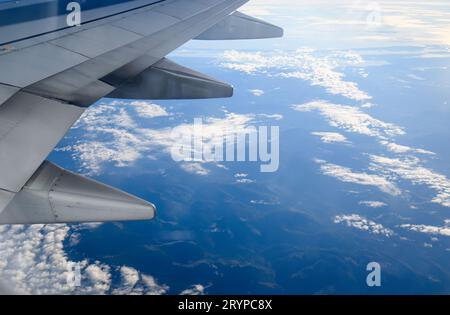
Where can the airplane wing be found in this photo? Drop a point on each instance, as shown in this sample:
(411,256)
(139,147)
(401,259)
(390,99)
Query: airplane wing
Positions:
(51,72)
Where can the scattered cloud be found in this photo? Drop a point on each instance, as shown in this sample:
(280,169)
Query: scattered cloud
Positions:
(410,168)
(257,92)
(245,181)
(351,119)
(428,229)
(271,116)
(130,278)
(196,289)
(415,77)
(330,137)
(149,110)
(363,224)
(195,168)
(264,202)
(135,283)
(397,148)
(346,175)
(373,204)
(110,134)
(304,64)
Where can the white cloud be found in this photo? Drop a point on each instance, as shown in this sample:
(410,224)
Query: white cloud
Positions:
(364,22)
(257,92)
(196,289)
(302,64)
(255,9)
(195,168)
(410,169)
(148,110)
(33,261)
(351,119)
(397,148)
(363,224)
(240,175)
(373,204)
(367,105)
(149,286)
(428,229)
(135,283)
(346,175)
(271,116)
(245,181)
(330,137)
(415,77)
(99,277)
(130,278)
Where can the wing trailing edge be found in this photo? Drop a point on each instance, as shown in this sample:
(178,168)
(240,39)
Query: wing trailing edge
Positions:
(241,26)
(55,195)
(168,80)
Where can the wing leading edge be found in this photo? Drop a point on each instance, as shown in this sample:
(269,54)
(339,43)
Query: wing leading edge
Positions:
(37,110)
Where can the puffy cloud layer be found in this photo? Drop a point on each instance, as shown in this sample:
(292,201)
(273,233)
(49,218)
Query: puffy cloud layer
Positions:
(410,168)
(351,119)
(363,224)
(33,261)
(346,175)
(302,64)
(136,283)
(330,137)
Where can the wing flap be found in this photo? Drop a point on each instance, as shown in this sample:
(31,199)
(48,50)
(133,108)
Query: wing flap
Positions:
(30,127)
(6,92)
(55,195)
(168,80)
